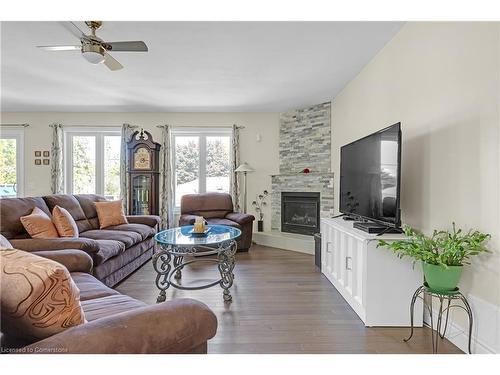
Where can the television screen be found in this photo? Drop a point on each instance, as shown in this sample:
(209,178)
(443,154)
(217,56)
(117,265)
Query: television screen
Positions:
(370,171)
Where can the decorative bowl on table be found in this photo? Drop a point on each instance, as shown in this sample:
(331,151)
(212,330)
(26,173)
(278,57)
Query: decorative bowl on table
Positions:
(199,234)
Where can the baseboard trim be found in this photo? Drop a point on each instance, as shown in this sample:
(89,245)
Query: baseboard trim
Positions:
(287,241)
(485,331)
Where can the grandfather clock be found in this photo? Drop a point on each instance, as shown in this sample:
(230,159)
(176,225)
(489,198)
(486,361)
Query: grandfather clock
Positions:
(144,172)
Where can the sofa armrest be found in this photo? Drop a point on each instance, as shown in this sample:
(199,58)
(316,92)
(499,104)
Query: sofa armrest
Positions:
(240,218)
(177,326)
(187,219)
(38,244)
(149,220)
(74,260)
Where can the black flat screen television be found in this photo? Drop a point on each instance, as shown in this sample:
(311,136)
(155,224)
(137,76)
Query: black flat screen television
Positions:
(370,177)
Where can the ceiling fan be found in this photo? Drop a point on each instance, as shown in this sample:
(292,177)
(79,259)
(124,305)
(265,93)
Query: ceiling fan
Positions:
(95,50)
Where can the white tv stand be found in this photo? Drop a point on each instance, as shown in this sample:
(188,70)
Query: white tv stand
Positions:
(374,281)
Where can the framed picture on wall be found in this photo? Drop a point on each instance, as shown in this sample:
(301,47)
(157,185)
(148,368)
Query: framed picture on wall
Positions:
(38,161)
(38,154)
(46,161)
(46,154)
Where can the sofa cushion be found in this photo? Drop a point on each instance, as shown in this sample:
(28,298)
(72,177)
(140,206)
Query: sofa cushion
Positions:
(71,204)
(128,238)
(87,203)
(230,223)
(117,267)
(39,298)
(108,249)
(12,209)
(144,230)
(64,223)
(110,305)
(110,213)
(90,287)
(39,225)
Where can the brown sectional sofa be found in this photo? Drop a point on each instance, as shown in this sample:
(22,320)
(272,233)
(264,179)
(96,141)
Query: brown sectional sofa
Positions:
(117,323)
(116,251)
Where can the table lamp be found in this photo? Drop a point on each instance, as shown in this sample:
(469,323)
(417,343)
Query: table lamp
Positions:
(244,168)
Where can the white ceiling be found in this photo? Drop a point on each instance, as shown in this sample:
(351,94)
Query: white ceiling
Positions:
(190,66)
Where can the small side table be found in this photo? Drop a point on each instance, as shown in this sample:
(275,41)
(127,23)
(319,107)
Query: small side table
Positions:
(449,297)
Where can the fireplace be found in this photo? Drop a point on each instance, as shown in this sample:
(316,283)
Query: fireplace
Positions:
(300,212)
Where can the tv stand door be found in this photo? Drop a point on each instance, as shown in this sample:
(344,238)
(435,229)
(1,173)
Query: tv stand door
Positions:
(344,261)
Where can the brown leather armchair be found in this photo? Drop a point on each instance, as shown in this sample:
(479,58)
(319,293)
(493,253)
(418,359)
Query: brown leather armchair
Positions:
(217,208)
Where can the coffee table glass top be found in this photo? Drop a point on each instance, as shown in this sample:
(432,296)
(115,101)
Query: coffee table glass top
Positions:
(181,237)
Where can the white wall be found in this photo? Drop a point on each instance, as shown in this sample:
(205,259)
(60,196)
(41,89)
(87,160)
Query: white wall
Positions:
(263,155)
(441,80)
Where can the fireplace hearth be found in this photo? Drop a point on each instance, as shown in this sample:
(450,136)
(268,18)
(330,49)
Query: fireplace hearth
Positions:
(300,212)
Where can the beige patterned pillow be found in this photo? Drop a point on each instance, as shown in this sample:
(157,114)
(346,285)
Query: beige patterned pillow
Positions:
(38,296)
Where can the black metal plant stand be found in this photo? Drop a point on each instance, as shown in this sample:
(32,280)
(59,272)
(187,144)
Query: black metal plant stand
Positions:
(447,297)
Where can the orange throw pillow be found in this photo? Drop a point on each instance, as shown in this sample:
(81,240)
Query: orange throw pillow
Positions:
(64,222)
(110,213)
(39,225)
(38,296)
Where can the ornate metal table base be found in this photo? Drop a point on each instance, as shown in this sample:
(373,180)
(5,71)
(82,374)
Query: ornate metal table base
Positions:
(449,297)
(166,268)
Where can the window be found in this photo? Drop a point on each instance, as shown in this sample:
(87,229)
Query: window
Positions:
(201,161)
(92,158)
(11,162)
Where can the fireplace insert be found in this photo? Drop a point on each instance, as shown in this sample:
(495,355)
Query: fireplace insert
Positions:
(300,212)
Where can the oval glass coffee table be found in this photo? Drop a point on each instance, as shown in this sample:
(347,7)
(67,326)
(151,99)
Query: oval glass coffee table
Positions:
(176,243)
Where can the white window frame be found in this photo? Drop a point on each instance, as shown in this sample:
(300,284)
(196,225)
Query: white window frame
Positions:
(202,133)
(99,133)
(17,133)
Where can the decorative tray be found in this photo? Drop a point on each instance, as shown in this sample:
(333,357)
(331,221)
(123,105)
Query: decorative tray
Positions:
(199,234)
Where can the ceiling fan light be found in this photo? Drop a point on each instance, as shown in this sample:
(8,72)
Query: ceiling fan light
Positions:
(93,57)
(93,53)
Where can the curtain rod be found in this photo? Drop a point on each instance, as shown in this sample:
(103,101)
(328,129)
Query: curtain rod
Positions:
(23,125)
(198,127)
(86,126)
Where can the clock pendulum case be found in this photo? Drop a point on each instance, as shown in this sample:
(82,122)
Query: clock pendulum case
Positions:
(143,160)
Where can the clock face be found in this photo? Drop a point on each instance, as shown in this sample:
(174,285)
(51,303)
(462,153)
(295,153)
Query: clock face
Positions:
(142,158)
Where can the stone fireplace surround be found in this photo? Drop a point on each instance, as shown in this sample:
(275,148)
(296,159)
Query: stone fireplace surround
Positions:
(310,182)
(304,142)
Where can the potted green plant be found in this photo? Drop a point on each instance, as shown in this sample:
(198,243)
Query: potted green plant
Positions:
(259,203)
(443,255)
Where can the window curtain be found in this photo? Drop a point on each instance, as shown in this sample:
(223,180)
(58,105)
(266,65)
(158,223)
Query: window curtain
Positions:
(56,155)
(126,135)
(166,178)
(235,162)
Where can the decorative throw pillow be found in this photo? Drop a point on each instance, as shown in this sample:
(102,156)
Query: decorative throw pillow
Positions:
(38,296)
(4,243)
(64,222)
(39,225)
(110,213)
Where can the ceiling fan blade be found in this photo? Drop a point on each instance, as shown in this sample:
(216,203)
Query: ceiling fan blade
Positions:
(60,48)
(73,29)
(130,46)
(111,62)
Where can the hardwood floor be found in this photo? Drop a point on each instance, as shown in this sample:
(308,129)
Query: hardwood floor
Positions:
(281,304)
